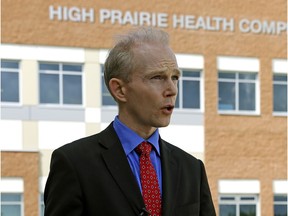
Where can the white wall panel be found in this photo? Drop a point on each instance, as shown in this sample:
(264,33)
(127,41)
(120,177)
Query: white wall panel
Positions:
(228,63)
(55,134)
(235,186)
(280,187)
(11,135)
(103,54)
(11,185)
(42,53)
(188,138)
(280,65)
(190,61)
(93,115)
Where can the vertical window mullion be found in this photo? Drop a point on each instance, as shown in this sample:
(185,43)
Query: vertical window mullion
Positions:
(61,100)
(22,205)
(181,94)
(237,92)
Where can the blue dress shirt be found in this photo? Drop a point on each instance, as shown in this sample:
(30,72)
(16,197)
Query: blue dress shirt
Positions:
(130,140)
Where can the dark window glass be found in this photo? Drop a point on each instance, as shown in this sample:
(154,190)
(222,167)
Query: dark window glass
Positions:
(227,198)
(247,96)
(280,210)
(49,88)
(107,99)
(71,68)
(10,197)
(9,210)
(9,81)
(9,64)
(227,210)
(72,89)
(227,75)
(280,93)
(177,105)
(247,210)
(60,83)
(280,205)
(226,92)
(191,94)
(9,87)
(42,206)
(281,198)
(247,76)
(54,67)
(186,73)
(11,204)
(280,77)
(237,91)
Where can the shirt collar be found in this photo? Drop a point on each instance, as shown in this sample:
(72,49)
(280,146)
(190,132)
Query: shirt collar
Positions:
(130,140)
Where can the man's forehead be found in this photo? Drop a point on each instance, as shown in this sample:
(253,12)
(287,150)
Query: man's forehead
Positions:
(163,70)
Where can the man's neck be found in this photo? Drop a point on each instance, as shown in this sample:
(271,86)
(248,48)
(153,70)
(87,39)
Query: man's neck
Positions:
(142,131)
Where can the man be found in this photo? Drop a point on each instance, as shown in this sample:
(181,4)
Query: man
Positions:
(107,174)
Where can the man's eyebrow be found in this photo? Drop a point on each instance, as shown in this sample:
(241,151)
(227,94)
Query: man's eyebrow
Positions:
(177,71)
(161,71)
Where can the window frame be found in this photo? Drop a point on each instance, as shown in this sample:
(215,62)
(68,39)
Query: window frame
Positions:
(12,70)
(279,202)
(41,204)
(236,81)
(60,74)
(279,113)
(201,89)
(108,95)
(21,202)
(238,202)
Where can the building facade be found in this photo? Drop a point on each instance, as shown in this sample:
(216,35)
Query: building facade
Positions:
(231,110)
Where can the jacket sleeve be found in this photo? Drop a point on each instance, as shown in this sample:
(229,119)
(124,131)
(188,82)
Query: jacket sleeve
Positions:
(62,195)
(206,205)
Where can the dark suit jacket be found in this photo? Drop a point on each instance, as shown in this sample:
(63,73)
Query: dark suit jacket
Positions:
(92,177)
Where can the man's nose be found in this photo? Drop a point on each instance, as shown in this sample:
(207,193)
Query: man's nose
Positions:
(171,88)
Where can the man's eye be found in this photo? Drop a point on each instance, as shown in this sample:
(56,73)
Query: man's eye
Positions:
(175,78)
(157,77)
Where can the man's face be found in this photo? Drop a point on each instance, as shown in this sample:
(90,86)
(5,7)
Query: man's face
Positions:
(152,89)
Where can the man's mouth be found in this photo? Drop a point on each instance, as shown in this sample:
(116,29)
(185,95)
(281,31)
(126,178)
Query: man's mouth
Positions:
(168,108)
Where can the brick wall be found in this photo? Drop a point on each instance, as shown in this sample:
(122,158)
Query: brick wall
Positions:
(24,165)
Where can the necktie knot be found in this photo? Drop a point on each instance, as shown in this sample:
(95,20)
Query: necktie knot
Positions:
(144,148)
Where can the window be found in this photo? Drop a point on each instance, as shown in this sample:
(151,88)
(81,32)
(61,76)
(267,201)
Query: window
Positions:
(238,205)
(280,92)
(60,83)
(11,204)
(42,206)
(237,91)
(280,205)
(107,99)
(189,90)
(9,81)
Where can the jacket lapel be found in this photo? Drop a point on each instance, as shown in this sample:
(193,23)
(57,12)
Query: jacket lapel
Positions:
(169,179)
(118,165)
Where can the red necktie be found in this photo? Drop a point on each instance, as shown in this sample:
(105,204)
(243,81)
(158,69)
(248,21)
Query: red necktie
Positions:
(149,181)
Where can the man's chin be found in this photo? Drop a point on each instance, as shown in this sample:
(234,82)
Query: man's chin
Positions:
(164,124)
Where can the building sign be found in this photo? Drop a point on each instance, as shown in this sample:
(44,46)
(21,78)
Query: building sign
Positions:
(164,20)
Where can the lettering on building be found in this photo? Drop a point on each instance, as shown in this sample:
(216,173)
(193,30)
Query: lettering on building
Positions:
(73,14)
(163,20)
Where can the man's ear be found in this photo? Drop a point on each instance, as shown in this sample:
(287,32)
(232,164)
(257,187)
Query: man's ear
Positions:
(118,89)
